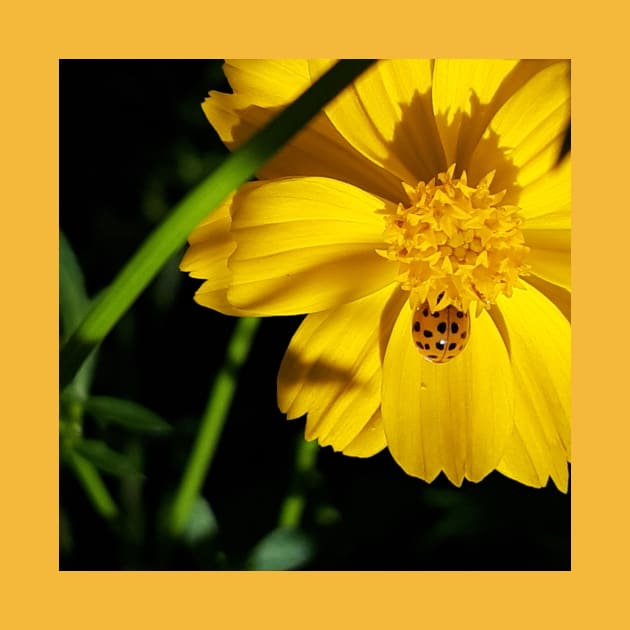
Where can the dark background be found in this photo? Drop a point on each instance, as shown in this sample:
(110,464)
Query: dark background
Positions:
(133,141)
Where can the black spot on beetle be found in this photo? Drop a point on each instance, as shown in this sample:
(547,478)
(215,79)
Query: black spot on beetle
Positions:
(452,346)
(416,326)
(454,327)
(463,335)
(419,344)
(427,333)
(427,346)
(425,312)
(440,344)
(460,314)
(442,327)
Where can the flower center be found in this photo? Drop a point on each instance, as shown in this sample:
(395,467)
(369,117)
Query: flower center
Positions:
(455,244)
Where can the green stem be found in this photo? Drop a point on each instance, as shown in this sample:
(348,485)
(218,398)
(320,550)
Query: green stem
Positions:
(169,236)
(294,503)
(212,423)
(94,486)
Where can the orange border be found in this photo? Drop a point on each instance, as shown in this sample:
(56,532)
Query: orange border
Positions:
(35,594)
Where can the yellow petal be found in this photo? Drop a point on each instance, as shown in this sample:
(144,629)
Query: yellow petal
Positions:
(210,239)
(532,124)
(550,255)
(462,90)
(560,296)
(453,417)
(546,206)
(211,244)
(386,115)
(272,82)
(306,245)
(546,203)
(261,90)
(518,464)
(235,117)
(332,372)
(540,348)
(370,440)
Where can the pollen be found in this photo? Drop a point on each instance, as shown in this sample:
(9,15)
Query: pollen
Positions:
(456,244)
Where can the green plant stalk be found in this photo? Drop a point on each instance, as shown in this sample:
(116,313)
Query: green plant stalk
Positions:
(93,485)
(171,234)
(212,423)
(294,503)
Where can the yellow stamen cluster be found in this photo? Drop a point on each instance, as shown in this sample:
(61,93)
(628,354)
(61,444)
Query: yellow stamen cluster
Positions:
(455,244)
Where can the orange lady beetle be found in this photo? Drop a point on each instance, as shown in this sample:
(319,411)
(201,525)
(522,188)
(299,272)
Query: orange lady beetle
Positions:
(442,335)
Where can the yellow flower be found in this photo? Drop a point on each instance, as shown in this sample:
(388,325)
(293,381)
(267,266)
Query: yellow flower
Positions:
(427,187)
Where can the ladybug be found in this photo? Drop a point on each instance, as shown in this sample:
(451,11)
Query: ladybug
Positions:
(442,335)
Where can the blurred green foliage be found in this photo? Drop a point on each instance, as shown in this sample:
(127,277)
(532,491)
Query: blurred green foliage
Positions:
(133,142)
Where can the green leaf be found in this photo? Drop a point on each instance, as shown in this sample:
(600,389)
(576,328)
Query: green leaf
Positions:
(73,300)
(73,305)
(282,549)
(106,459)
(126,413)
(202,523)
(94,486)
